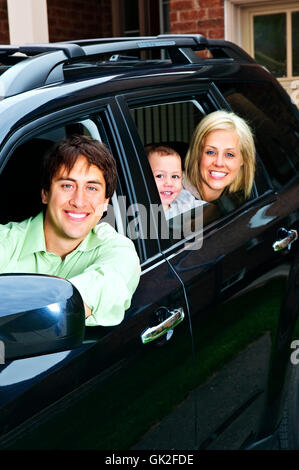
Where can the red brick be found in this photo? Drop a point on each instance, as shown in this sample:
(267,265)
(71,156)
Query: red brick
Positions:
(216,33)
(210,3)
(187,27)
(193,15)
(173,16)
(214,13)
(182,5)
(88,19)
(203,31)
(211,24)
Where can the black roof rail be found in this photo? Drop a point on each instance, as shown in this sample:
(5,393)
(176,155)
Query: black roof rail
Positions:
(220,47)
(71,50)
(37,68)
(32,73)
(45,61)
(42,64)
(170,43)
(199,39)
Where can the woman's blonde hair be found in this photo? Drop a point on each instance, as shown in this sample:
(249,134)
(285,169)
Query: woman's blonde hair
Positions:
(229,121)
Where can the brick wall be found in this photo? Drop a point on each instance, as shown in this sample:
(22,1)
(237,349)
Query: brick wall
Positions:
(4,31)
(197,16)
(78,19)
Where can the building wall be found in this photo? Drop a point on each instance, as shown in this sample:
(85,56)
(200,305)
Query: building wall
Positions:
(4,31)
(197,16)
(77,19)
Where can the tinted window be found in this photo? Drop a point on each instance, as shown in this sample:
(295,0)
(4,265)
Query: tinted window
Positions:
(20,191)
(274,123)
(173,124)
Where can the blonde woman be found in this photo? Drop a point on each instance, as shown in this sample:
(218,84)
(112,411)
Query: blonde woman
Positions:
(221,157)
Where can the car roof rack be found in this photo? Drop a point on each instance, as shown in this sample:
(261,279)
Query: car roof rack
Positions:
(29,66)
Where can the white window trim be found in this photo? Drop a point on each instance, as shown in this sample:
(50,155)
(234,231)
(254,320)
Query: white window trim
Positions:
(233,17)
(234,13)
(247,18)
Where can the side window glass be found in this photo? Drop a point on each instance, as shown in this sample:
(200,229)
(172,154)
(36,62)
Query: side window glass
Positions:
(172,124)
(20,190)
(274,124)
(168,127)
(168,123)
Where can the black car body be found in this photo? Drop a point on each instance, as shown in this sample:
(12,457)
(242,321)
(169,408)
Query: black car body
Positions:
(229,357)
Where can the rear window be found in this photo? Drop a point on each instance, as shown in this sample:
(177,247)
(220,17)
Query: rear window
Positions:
(275,125)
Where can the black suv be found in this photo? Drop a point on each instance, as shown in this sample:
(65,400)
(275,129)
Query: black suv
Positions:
(206,357)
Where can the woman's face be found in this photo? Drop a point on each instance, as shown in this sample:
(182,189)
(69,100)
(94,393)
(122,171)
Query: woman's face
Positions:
(219,163)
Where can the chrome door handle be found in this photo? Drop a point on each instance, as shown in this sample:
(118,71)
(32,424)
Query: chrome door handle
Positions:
(286,241)
(152,333)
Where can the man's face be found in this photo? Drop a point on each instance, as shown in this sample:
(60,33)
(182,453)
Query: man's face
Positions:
(75,202)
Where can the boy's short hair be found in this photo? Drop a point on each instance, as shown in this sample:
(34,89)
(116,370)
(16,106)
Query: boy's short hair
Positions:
(65,153)
(162,150)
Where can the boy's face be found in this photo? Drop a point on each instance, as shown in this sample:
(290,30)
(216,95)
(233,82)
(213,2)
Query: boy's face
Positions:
(167,171)
(75,202)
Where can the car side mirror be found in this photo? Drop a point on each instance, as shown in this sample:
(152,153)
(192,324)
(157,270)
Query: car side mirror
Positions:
(39,314)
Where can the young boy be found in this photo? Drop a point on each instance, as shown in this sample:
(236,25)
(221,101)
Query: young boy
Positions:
(166,166)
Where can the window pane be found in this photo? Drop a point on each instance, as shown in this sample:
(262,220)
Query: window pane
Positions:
(295,40)
(270,42)
(166,20)
(131,18)
(275,126)
(167,122)
(171,124)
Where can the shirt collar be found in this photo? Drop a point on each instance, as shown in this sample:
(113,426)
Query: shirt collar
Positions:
(35,239)
(91,241)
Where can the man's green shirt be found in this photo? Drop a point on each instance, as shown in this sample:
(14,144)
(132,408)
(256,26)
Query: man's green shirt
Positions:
(104,268)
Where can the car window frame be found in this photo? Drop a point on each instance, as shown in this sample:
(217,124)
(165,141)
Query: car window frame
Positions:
(189,93)
(272,85)
(62,117)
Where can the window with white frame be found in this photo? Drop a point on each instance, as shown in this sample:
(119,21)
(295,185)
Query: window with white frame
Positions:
(270,33)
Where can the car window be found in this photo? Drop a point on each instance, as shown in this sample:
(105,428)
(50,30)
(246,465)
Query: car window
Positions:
(20,177)
(172,123)
(20,190)
(274,124)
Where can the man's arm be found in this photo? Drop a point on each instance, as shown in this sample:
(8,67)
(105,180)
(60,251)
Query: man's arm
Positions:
(108,284)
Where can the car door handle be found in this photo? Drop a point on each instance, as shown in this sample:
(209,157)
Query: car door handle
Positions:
(152,333)
(288,237)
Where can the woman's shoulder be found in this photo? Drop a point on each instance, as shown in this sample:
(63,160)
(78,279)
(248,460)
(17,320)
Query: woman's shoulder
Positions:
(188,186)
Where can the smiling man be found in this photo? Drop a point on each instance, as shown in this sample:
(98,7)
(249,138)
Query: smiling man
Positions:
(65,240)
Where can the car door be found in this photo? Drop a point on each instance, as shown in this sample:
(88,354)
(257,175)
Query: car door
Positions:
(107,393)
(242,330)
(274,119)
(234,280)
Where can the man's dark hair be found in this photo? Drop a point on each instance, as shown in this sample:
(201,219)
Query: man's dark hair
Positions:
(65,153)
